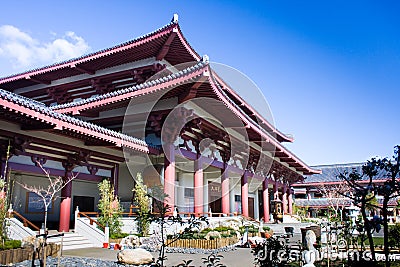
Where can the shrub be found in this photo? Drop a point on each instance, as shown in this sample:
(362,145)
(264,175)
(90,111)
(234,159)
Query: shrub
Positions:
(110,209)
(394,235)
(266,228)
(10,244)
(143,201)
(118,235)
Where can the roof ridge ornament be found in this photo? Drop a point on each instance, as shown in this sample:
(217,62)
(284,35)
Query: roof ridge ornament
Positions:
(175,18)
(205,59)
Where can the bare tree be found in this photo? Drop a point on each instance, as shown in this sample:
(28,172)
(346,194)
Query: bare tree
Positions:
(48,194)
(334,194)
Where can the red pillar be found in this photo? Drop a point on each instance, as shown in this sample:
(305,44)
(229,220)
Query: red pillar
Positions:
(198,187)
(65,205)
(290,201)
(225,190)
(266,200)
(284,199)
(169,175)
(245,195)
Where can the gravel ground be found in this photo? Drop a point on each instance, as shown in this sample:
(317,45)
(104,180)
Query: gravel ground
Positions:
(107,258)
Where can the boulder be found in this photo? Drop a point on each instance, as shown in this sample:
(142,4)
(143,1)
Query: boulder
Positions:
(131,241)
(135,256)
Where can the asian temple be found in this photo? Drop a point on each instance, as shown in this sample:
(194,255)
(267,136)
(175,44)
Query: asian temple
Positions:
(320,192)
(132,108)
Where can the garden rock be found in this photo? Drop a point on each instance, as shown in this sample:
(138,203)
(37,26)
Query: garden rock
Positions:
(137,256)
(213,235)
(131,241)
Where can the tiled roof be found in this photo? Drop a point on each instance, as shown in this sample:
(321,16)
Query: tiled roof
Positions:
(37,109)
(138,87)
(330,173)
(321,202)
(84,58)
(325,202)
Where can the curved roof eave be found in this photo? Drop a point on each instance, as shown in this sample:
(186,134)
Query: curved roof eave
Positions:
(260,117)
(19,104)
(244,117)
(167,29)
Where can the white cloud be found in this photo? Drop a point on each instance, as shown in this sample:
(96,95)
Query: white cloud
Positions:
(24,52)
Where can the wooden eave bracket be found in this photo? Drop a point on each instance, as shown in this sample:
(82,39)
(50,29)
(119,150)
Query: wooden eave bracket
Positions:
(165,48)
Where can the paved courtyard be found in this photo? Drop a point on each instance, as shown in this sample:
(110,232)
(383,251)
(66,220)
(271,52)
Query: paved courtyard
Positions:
(240,257)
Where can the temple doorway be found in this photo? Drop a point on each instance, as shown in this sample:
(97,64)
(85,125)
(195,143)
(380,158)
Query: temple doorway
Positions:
(214,197)
(251,207)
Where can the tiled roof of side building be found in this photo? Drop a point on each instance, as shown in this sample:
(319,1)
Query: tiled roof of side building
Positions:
(325,202)
(330,173)
(38,108)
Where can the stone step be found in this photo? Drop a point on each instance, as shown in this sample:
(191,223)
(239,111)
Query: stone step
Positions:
(72,241)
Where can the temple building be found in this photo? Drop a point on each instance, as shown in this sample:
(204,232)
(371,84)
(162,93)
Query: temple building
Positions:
(319,194)
(151,105)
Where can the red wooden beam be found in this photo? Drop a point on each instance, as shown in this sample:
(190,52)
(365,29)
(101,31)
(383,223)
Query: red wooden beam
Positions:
(83,70)
(191,93)
(37,80)
(53,172)
(165,48)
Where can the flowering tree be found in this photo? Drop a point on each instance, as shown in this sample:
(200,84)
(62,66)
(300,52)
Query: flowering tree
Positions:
(110,209)
(334,195)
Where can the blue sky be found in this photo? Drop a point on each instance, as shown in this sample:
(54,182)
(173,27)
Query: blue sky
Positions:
(330,71)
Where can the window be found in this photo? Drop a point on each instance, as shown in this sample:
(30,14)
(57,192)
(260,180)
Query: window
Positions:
(189,192)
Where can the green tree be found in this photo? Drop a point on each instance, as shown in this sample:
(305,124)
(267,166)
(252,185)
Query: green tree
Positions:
(143,201)
(110,209)
(373,203)
(364,195)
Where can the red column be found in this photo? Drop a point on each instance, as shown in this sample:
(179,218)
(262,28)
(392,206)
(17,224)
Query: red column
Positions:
(225,191)
(290,201)
(169,175)
(245,195)
(266,200)
(65,205)
(198,186)
(284,199)
(114,176)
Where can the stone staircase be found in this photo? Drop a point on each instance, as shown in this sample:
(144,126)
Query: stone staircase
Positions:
(72,240)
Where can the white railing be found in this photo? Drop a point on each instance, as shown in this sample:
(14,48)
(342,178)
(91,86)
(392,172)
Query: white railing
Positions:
(96,236)
(16,230)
